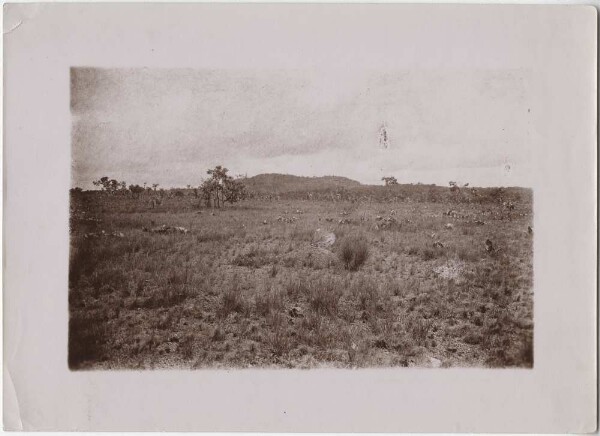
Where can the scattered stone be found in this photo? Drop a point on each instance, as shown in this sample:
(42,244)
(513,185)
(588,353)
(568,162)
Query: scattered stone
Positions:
(449,226)
(438,244)
(323,239)
(435,363)
(103,234)
(344,221)
(451,349)
(265,222)
(90,220)
(378,218)
(386,223)
(453,214)
(530,230)
(450,270)
(296,312)
(166,229)
(478,222)
(287,220)
(508,205)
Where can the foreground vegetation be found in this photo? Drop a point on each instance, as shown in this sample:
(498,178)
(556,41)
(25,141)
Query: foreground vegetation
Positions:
(394,280)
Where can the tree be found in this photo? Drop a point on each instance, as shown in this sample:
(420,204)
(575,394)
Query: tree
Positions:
(234,190)
(136,190)
(109,185)
(389,181)
(221,188)
(102,182)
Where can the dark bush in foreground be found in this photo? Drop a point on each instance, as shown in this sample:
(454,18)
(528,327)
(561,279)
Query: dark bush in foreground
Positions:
(87,339)
(353,252)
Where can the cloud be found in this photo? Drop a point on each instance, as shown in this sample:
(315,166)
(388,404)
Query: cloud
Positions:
(168,125)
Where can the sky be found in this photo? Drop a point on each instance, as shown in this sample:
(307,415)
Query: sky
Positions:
(168,126)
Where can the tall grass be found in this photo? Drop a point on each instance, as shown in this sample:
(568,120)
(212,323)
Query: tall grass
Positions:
(353,252)
(324,296)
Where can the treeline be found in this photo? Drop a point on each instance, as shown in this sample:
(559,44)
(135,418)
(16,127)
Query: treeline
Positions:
(220,188)
(403,193)
(215,191)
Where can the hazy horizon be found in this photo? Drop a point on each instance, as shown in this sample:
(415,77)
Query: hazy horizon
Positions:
(168,126)
(197,185)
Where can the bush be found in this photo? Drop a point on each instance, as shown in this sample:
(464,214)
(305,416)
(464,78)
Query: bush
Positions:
(353,252)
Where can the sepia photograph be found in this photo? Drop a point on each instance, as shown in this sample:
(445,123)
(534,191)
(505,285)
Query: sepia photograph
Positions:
(300,219)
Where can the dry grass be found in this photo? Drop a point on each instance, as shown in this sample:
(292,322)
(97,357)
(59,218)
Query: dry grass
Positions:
(353,252)
(235,292)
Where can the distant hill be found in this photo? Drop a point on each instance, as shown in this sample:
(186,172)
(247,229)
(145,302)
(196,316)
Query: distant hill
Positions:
(281,183)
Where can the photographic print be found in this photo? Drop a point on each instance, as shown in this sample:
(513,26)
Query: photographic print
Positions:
(325,218)
(300,218)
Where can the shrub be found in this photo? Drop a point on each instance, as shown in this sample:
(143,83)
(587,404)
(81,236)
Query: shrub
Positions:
(353,252)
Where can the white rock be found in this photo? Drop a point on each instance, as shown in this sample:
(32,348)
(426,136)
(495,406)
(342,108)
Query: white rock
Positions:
(435,363)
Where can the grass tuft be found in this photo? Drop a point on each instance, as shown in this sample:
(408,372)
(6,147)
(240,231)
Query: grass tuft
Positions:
(353,252)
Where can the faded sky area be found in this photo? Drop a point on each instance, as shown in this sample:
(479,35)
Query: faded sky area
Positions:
(168,126)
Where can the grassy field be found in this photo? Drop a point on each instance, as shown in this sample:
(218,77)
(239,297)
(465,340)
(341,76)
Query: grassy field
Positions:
(298,283)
